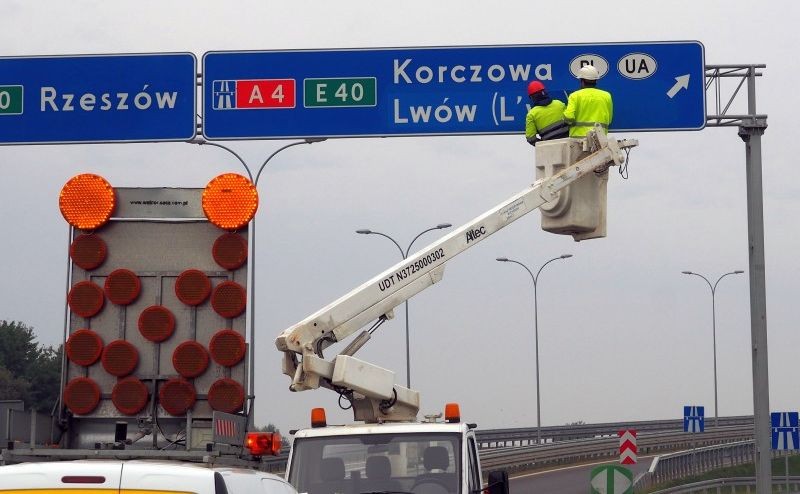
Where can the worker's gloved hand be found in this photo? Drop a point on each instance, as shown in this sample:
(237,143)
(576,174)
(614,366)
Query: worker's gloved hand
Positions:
(533,140)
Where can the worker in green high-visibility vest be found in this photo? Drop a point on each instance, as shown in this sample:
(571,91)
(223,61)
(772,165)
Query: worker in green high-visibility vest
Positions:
(588,105)
(545,119)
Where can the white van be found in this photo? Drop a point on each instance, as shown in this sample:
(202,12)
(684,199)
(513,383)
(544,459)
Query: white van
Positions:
(136,477)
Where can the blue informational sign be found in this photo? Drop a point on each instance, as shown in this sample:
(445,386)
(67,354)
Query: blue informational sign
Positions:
(785,430)
(444,90)
(694,419)
(98,98)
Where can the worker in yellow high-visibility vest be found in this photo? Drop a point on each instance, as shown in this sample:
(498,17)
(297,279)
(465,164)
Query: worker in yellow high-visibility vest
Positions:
(545,119)
(588,105)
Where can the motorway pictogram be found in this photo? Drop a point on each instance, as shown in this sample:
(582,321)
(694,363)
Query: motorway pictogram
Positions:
(694,419)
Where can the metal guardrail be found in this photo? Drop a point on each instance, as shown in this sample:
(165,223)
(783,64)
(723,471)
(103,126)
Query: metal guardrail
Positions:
(563,452)
(697,461)
(500,438)
(732,485)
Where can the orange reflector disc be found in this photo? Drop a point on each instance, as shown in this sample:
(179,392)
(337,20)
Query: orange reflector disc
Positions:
(130,395)
(120,358)
(85,299)
(156,323)
(227,347)
(88,251)
(190,359)
(230,201)
(192,287)
(229,299)
(177,396)
(230,251)
(226,395)
(87,201)
(84,347)
(82,395)
(122,286)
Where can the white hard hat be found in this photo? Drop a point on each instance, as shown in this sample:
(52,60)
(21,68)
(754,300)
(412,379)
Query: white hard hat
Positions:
(589,73)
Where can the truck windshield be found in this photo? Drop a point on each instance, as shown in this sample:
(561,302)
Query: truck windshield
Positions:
(424,463)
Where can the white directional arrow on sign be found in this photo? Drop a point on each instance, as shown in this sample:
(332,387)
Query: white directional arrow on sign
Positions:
(681,82)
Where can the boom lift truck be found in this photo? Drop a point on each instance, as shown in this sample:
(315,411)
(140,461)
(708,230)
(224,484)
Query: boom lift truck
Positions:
(391,451)
(153,383)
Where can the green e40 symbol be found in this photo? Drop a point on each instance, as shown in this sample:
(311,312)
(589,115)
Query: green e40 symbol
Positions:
(337,92)
(10,100)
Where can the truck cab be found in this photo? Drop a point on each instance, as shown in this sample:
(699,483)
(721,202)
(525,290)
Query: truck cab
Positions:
(398,457)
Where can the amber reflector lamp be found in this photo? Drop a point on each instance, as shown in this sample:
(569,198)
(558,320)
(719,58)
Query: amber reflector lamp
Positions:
(82,395)
(177,396)
(122,286)
(130,395)
(226,395)
(452,413)
(227,347)
(192,287)
(318,418)
(88,251)
(84,347)
(190,359)
(156,323)
(230,201)
(85,299)
(229,299)
(87,201)
(230,251)
(120,358)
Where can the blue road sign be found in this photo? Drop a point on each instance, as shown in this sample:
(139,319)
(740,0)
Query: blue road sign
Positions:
(98,98)
(443,90)
(694,419)
(785,430)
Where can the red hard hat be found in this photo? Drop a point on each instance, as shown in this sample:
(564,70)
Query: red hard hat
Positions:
(535,87)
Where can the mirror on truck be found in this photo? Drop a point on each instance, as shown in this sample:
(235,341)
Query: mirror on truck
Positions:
(498,482)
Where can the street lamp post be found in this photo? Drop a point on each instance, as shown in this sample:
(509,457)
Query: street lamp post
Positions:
(252,247)
(404,253)
(714,331)
(535,279)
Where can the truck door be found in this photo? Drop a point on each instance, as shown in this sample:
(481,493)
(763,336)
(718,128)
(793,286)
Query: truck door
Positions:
(473,467)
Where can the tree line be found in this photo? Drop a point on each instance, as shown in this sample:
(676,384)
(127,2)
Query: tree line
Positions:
(29,371)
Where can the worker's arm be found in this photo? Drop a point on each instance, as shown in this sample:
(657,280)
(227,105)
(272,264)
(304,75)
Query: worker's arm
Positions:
(530,129)
(610,109)
(572,108)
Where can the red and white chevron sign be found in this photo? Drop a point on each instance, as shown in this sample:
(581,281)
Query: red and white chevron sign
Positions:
(627,446)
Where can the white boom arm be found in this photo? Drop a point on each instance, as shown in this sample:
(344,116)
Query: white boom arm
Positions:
(370,388)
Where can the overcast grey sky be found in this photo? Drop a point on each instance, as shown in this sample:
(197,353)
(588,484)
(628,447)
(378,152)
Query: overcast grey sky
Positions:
(623,334)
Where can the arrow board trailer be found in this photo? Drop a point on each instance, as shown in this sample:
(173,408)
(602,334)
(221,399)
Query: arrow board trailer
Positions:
(442,90)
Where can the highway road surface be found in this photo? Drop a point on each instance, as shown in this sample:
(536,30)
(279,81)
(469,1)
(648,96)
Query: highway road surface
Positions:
(573,479)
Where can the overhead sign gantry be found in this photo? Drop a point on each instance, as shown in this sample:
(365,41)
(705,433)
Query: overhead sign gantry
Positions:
(441,90)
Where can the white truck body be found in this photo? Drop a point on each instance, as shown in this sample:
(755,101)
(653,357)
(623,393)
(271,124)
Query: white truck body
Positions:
(136,477)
